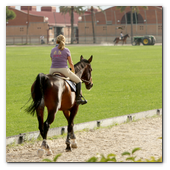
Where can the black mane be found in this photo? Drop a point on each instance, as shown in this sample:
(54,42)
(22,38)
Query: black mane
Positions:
(80,65)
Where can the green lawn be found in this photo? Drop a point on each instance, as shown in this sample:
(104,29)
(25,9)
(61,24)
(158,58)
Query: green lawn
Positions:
(127,79)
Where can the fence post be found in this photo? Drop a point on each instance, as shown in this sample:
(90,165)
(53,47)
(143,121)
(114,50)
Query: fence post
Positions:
(136,22)
(146,21)
(95,26)
(106,24)
(115,22)
(156,22)
(126,21)
(85,28)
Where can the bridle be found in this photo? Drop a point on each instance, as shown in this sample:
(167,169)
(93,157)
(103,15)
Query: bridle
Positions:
(86,81)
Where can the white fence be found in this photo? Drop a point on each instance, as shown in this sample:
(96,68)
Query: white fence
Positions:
(18,139)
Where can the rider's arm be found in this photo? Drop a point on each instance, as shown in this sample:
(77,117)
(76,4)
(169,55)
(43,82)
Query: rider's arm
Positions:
(51,55)
(71,63)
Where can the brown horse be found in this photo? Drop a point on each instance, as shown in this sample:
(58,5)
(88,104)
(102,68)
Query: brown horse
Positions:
(117,39)
(55,93)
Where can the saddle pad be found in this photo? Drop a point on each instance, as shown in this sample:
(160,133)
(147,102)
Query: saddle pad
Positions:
(72,85)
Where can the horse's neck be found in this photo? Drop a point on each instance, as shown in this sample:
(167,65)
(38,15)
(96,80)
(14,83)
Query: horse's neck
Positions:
(79,73)
(80,67)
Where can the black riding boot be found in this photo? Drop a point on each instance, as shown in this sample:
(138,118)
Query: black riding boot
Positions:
(78,95)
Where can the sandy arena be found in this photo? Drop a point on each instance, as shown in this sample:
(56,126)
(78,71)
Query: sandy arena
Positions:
(144,133)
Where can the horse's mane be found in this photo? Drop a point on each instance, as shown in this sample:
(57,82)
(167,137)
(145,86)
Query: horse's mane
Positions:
(80,65)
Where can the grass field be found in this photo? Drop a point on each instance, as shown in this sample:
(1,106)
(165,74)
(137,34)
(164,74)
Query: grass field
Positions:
(127,79)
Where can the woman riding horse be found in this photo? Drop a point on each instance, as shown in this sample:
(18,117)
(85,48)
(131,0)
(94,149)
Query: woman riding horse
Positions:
(59,56)
(54,93)
(123,39)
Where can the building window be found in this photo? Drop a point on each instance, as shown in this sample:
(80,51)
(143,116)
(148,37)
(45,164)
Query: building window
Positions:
(38,27)
(160,27)
(21,29)
(104,27)
(141,27)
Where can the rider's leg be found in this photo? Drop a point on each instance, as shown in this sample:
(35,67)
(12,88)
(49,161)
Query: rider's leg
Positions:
(78,95)
(78,82)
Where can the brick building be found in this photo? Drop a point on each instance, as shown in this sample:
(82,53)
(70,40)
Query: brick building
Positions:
(107,22)
(30,25)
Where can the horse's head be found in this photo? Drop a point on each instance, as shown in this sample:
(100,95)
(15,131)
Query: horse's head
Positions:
(86,76)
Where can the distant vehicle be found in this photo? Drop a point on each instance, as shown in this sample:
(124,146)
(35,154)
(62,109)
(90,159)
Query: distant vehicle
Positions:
(145,40)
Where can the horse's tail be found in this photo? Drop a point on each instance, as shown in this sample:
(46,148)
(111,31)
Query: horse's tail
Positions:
(114,40)
(37,94)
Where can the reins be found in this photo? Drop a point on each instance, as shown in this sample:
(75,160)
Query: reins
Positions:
(86,81)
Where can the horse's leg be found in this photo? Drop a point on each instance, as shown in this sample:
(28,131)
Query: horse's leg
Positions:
(73,111)
(47,123)
(70,133)
(40,114)
(67,116)
(116,41)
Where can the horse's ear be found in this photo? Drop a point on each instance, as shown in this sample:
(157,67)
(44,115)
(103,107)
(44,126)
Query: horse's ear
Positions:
(81,57)
(90,59)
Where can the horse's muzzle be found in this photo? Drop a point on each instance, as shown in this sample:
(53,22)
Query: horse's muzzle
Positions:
(89,86)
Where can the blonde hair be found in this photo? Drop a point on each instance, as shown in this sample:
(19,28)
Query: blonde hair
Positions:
(61,41)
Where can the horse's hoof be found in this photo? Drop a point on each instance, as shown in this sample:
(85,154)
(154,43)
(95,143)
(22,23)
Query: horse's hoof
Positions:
(49,152)
(68,149)
(74,145)
(40,153)
(43,147)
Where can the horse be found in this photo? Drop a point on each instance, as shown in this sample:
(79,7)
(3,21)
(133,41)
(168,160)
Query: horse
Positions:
(55,93)
(117,39)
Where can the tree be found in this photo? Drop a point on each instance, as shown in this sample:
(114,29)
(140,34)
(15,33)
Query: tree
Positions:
(10,14)
(71,10)
(92,13)
(92,20)
(132,9)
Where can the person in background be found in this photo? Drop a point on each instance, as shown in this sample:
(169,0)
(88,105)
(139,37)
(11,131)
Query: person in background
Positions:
(42,39)
(121,36)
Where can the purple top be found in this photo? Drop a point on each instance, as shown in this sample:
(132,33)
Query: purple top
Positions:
(59,57)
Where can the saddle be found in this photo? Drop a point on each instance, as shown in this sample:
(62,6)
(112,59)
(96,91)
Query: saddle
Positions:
(67,79)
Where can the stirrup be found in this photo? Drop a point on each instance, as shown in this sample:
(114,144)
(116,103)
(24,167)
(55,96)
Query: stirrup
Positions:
(80,101)
(83,98)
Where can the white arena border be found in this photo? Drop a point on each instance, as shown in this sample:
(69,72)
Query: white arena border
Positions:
(18,139)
